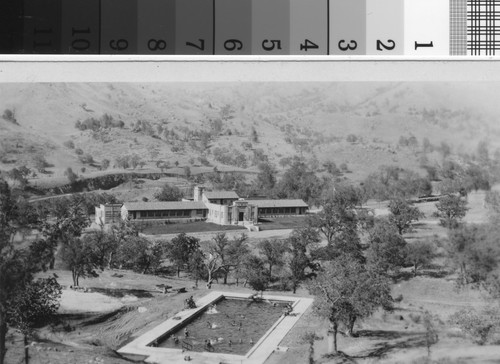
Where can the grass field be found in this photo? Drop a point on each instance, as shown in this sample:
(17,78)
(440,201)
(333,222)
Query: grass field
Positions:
(189,227)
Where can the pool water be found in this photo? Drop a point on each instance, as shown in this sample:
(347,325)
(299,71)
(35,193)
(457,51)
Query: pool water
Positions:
(232,326)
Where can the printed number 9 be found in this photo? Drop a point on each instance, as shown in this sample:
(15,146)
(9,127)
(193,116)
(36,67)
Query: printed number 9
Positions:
(118,45)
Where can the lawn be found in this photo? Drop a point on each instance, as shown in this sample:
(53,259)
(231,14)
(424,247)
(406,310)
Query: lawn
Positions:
(289,222)
(191,227)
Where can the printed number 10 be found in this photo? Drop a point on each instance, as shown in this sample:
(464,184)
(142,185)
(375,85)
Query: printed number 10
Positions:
(80,44)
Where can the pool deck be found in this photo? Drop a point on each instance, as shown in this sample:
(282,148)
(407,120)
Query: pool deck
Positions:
(258,354)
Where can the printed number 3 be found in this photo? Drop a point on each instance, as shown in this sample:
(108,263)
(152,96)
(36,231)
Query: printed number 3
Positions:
(352,45)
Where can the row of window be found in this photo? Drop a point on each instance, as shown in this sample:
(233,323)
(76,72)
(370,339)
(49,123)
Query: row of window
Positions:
(170,213)
(278,210)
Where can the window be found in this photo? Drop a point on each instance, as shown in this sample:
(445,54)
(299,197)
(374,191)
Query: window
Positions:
(179,213)
(157,213)
(281,210)
(275,211)
(187,212)
(199,212)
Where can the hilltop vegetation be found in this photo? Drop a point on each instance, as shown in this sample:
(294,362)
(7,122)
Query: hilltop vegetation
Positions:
(354,127)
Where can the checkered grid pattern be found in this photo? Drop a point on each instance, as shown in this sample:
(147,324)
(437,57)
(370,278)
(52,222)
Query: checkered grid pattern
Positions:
(483,34)
(458,27)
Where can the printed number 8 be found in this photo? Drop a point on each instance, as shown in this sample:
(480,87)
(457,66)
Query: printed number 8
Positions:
(157,44)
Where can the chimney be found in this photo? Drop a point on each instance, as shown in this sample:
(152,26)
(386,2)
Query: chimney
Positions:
(198,192)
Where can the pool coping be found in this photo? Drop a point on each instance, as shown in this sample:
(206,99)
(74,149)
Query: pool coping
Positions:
(258,354)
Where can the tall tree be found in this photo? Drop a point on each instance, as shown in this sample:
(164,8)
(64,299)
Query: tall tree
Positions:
(419,254)
(387,249)
(273,252)
(169,193)
(237,253)
(180,248)
(140,254)
(346,291)
(300,241)
(403,214)
(17,264)
(33,305)
(450,210)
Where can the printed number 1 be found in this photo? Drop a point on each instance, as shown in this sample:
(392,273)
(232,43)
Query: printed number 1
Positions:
(427,45)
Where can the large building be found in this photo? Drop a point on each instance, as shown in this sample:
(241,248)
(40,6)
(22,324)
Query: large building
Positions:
(219,207)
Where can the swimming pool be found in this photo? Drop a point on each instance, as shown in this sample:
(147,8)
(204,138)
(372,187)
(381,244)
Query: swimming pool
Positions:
(231,326)
(157,344)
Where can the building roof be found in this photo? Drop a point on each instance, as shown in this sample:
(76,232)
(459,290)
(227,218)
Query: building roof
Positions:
(168,205)
(278,203)
(220,195)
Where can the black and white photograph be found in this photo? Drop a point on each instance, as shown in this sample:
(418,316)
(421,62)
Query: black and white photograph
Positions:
(249,221)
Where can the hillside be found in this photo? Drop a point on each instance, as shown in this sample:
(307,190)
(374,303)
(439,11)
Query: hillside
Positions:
(359,124)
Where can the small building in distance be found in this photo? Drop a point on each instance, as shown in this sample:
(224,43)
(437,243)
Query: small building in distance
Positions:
(218,207)
(108,213)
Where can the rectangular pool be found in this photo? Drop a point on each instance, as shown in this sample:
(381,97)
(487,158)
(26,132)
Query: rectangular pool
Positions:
(231,326)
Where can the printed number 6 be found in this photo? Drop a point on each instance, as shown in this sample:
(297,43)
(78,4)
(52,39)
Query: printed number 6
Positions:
(347,47)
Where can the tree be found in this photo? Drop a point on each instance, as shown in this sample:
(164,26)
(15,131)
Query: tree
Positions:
(478,325)
(180,248)
(266,179)
(403,214)
(140,254)
(35,304)
(387,247)
(105,164)
(18,264)
(450,210)
(419,254)
(237,252)
(338,222)
(72,176)
(345,291)
(69,218)
(256,276)
(40,163)
(299,182)
(103,246)
(473,249)
(299,241)
(273,252)
(219,247)
(187,172)
(431,335)
(78,256)
(169,193)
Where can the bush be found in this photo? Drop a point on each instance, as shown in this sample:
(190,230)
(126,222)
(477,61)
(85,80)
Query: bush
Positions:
(479,326)
(78,151)
(9,116)
(69,144)
(351,138)
(86,159)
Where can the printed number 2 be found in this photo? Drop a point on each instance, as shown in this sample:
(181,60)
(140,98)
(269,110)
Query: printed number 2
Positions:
(389,47)
(352,45)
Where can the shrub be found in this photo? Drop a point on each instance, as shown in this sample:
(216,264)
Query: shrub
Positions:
(86,159)
(9,116)
(479,326)
(69,144)
(351,138)
(78,151)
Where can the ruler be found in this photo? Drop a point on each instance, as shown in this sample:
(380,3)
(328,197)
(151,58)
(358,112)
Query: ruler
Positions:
(251,27)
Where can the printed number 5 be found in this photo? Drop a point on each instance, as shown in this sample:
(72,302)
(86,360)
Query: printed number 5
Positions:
(347,47)
(274,44)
